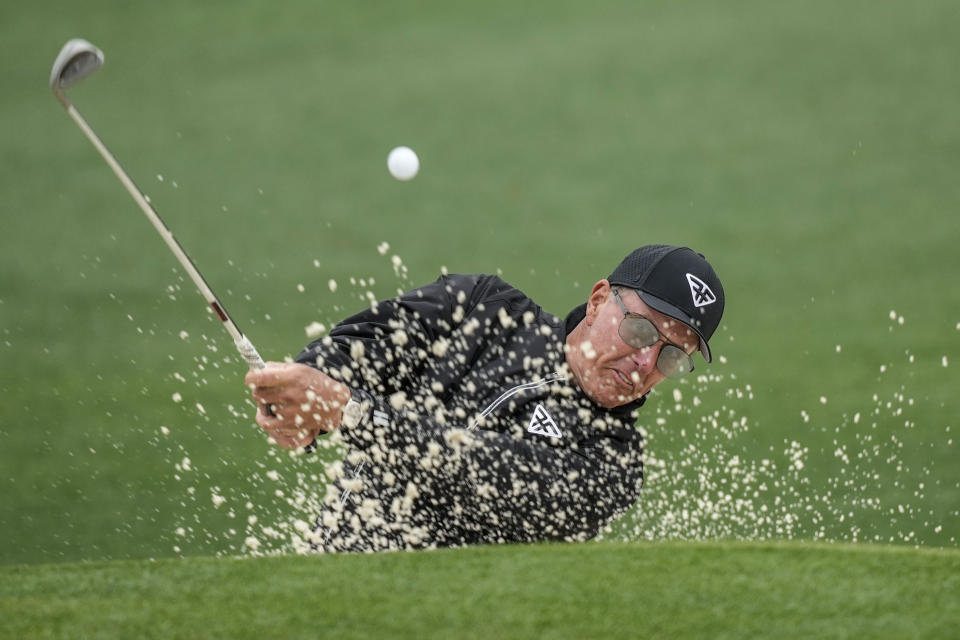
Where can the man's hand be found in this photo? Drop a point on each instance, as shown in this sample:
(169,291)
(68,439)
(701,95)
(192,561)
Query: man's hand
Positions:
(305,402)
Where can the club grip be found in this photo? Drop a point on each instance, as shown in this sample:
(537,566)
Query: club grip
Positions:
(249,352)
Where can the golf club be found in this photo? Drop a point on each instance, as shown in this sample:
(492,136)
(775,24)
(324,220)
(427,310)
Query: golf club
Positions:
(77,60)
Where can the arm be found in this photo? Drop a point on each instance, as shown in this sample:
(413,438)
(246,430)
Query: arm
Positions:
(381,350)
(386,348)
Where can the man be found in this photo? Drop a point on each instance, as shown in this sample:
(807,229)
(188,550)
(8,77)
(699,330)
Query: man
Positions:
(473,416)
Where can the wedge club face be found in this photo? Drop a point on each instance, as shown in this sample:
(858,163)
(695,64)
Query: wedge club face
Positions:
(76,61)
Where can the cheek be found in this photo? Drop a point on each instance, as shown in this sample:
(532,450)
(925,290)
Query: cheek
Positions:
(613,349)
(610,329)
(605,339)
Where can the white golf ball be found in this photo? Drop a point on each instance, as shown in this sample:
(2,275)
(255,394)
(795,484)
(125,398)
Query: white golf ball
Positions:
(403,163)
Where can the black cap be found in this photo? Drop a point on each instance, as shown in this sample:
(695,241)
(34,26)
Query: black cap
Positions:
(678,282)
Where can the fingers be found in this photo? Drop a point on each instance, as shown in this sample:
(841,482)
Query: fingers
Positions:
(292,401)
(291,384)
(275,385)
(296,402)
(274,374)
(289,433)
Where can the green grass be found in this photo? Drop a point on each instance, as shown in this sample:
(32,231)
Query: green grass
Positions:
(808,148)
(665,590)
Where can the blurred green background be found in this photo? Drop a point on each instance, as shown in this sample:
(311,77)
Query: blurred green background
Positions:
(809,149)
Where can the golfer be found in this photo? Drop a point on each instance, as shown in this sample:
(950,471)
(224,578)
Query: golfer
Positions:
(470,415)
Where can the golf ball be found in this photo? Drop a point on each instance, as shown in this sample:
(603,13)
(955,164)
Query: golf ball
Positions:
(403,163)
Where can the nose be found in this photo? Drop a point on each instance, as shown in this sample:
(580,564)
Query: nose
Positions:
(645,358)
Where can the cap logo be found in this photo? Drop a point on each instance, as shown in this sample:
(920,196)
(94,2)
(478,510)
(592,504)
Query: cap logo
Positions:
(701,293)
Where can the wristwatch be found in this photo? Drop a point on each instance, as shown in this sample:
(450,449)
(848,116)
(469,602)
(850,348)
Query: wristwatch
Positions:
(352,414)
(350,417)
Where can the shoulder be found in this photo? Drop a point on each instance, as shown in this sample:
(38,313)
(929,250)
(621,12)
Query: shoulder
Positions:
(490,295)
(474,281)
(481,287)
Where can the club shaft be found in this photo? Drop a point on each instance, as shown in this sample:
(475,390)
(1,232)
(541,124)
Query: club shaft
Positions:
(243,344)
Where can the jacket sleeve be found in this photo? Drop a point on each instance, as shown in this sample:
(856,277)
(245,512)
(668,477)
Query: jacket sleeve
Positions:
(384,349)
(503,488)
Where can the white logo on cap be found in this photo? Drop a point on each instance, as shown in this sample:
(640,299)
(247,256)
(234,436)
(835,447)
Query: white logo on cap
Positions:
(702,295)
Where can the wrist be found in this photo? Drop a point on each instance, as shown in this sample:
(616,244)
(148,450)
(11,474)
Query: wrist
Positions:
(351,414)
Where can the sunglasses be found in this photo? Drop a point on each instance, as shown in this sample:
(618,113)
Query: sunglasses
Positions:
(640,333)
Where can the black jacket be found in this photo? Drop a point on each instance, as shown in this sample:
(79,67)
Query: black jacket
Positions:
(472,431)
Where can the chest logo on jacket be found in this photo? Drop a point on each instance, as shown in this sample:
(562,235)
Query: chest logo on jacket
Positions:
(542,424)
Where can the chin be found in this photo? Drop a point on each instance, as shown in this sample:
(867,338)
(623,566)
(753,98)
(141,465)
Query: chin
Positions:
(613,399)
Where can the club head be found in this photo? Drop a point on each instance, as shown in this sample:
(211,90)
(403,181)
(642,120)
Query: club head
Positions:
(76,60)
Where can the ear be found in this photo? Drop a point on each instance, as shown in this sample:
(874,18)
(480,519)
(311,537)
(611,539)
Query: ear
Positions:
(598,296)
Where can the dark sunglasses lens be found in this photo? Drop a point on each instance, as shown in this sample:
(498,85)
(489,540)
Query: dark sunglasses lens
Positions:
(674,362)
(638,332)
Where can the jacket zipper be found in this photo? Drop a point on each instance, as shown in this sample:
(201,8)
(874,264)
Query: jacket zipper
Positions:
(510,392)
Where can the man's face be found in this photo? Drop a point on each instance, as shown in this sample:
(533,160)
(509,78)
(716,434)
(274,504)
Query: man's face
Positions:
(608,370)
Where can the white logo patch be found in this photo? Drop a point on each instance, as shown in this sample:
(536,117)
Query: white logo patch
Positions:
(542,424)
(702,295)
